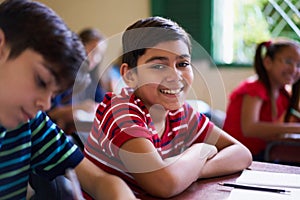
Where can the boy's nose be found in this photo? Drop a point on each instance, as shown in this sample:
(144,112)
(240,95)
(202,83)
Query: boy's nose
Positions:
(174,74)
(44,102)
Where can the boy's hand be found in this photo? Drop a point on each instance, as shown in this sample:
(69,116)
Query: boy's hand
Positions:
(207,151)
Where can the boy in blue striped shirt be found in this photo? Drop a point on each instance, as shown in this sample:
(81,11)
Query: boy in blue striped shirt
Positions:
(40,57)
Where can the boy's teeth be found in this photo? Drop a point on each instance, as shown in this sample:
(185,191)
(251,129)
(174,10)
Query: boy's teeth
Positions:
(170,91)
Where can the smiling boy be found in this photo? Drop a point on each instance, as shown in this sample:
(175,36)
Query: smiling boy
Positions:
(40,57)
(147,134)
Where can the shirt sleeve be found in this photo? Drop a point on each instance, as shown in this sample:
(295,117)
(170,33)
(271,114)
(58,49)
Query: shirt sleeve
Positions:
(52,152)
(252,88)
(119,124)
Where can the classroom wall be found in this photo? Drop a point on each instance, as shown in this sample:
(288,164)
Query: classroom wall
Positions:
(112,16)
(214,85)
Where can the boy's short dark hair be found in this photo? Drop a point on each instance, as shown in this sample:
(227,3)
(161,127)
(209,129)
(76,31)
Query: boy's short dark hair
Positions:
(32,25)
(147,33)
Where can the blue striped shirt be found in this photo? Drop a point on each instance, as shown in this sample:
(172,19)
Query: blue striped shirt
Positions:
(38,146)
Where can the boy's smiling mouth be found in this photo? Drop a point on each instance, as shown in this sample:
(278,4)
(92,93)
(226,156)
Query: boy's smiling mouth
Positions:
(171,91)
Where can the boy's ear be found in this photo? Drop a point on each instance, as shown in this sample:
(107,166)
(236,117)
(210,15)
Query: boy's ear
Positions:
(129,75)
(3,46)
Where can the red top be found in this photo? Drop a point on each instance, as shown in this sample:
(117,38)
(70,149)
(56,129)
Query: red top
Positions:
(232,123)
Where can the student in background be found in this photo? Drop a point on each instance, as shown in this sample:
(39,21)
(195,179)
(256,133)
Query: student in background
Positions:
(40,57)
(113,80)
(95,45)
(65,104)
(147,134)
(257,106)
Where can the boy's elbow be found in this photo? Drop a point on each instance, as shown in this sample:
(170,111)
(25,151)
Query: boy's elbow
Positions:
(163,192)
(248,160)
(165,187)
(245,157)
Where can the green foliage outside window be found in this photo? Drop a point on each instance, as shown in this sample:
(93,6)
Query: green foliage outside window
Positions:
(250,22)
(229,30)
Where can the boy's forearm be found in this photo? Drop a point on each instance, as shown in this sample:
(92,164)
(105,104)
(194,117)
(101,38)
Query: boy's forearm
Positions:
(112,187)
(191,161)
(185,168)
(177,174)
(99,184)
(225,163)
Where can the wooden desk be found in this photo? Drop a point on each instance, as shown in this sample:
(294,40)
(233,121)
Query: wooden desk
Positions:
(208,189)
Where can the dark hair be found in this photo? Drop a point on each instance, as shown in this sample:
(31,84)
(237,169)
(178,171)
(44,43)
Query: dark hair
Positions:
(294,101)
(271,48)
(146,33)
(32,25)
(90,34)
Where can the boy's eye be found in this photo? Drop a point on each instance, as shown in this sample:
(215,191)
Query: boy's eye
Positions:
(158,66)
(41,82)
(183,64)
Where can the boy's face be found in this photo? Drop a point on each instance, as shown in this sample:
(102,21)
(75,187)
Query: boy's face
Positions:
(164,75)
(27,86)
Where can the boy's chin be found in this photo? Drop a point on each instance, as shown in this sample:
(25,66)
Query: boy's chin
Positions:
(173,106)
(11,126)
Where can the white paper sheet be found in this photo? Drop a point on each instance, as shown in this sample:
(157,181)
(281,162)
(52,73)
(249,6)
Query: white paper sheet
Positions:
(290,182)
(269,179)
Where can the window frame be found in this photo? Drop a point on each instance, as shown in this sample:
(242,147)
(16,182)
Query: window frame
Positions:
(205,22)
(173,9)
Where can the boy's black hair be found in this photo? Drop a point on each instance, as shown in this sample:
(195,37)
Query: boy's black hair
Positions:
(32,25)
(147,33)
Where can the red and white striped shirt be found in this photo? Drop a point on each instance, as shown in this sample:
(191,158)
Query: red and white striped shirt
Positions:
(122,117)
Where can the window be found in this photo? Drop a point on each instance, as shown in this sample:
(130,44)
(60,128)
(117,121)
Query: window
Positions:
(240,24)
(193,15)
(229,30)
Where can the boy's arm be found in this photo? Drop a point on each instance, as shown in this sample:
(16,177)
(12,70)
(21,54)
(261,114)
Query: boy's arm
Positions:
(100,184)
(164,178)
(229,151)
